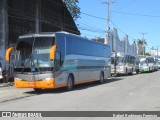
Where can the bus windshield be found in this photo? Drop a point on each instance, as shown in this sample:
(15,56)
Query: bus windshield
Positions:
(34,51)
(143,62)
(150,60)
(120,60)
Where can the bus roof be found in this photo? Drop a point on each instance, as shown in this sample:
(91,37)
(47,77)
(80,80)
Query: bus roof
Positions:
(42,34)
(38,35)
(121,54)
(52,34)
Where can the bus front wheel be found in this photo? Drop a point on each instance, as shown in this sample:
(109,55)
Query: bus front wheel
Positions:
(69,82)
(38,90)
(126,71)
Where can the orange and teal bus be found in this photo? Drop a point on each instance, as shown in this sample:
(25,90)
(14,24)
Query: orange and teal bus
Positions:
(60,59)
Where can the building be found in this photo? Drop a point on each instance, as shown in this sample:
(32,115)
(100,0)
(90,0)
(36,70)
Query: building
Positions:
(18,17)
(154,52)
(101,40)
(118,45)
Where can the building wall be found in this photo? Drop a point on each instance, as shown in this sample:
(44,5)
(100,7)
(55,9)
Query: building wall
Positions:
(30,16)
(3,30)
(154,52)
(18,17)
(123,45)
(118,45)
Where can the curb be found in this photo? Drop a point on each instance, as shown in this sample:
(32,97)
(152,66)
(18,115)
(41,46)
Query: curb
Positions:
(6,84)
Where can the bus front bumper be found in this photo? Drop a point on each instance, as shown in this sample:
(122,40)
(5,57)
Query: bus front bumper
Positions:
(35,84)
(144,69)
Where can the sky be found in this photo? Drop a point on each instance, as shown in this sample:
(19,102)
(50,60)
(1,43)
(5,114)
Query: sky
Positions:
(131,17)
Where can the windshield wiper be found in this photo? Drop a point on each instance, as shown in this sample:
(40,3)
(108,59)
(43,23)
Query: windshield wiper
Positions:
(36,66)
(26,63)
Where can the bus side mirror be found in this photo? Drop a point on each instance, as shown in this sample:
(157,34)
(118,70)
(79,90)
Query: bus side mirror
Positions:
(53,52)
(9,50)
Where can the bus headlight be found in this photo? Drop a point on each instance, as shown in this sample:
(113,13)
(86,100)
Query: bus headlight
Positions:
(18,79)
(120,67)
(48,79)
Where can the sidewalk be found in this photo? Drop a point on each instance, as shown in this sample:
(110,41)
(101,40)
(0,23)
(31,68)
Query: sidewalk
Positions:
(6,84)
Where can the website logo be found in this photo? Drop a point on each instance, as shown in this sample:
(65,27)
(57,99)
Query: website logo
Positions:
(6,114)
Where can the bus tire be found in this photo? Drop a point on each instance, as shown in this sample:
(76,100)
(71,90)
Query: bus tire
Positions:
(101,81)
(131,73)
(137,71)
(70,82)
(38,90)
(126,71)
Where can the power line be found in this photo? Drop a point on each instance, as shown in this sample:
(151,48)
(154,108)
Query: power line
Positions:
(49,19)
(94,16)
(129,3)
(81,28)
(55,23)
(136,14)
(92,30)
(91,27)
(42,19)
(110,21)
(31,17)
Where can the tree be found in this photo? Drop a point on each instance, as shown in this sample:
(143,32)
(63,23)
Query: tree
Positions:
(140,42)
(73,8)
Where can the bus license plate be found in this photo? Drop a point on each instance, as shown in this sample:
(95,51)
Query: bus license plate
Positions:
(31,85)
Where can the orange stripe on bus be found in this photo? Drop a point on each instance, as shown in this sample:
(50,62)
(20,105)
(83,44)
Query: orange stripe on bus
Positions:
(84,81)
(36,84)
(50,84)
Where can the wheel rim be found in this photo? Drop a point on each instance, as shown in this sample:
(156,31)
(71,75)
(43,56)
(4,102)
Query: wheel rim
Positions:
(101,78)
(70,83)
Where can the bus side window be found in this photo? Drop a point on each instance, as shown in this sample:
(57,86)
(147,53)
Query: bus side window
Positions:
(58,61)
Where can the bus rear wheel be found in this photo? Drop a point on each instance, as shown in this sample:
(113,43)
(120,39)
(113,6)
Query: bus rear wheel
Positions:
(69,83)
(137,71)
(101,81)
(126,72)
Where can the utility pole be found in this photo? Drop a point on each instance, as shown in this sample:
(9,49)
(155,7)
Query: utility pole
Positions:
(108,19)
(143,42)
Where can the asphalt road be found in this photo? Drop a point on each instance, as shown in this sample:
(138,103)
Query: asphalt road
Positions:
(125,93)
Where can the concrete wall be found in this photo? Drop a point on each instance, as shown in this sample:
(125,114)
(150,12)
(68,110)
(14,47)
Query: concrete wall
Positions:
(3,30)
(123,45)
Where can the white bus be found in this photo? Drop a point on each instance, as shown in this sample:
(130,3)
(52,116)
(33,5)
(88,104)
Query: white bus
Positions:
(147,63)
(156,64)
(122,63)
(53,60)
